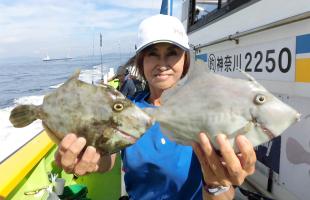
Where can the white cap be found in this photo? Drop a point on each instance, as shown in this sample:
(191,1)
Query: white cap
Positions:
(161,28)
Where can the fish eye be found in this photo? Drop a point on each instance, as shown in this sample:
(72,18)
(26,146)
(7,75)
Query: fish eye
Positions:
(118,107)
(260,99)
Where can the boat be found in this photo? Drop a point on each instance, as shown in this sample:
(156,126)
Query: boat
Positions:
(47,58)
(270,40)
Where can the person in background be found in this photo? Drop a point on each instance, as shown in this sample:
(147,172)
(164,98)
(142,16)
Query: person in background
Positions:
(115,82)
(128,87)
(156,167)
(139,86)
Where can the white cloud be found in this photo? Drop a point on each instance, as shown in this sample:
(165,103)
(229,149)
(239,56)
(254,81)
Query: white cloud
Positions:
(35,27)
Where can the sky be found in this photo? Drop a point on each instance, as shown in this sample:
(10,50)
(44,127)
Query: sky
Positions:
(58,28)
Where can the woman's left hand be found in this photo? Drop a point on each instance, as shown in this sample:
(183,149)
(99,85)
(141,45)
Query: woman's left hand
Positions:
(229,168)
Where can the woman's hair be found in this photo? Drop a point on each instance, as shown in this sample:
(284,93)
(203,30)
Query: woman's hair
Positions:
(139,62)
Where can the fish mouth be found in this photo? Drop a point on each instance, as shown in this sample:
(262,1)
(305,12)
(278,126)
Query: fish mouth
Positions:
(268,132)
(265,130)
(126,135)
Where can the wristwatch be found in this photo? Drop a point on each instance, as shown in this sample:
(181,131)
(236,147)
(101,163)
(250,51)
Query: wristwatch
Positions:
(214,191)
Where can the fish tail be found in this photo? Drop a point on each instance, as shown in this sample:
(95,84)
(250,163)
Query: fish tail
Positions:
(24,115)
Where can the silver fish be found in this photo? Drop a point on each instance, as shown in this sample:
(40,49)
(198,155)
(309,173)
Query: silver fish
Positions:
(215,104)
(101,114)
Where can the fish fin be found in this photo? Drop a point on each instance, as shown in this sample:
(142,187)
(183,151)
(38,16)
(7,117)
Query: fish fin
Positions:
(197,69)
(170,92)
(24,115)
(247,75)
(175,138)
(75,76)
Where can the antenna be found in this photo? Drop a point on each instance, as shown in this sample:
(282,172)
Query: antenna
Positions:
(93,59)
(93,45)
(101,57)
(120,55)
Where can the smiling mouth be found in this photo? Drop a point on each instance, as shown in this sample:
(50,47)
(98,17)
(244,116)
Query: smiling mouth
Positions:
(160,75)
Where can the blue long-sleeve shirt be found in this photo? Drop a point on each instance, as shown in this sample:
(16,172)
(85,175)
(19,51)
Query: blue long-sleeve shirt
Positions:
(158,168)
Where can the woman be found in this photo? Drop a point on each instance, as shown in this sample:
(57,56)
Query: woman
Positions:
(155,167)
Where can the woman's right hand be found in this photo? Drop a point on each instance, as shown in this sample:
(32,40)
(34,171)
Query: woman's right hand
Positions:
(71,156)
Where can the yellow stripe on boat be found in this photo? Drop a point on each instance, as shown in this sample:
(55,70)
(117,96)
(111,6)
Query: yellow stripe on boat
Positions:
(16,167)
(303,70)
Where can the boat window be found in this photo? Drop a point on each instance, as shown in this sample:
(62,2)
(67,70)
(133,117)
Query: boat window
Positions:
(204,12)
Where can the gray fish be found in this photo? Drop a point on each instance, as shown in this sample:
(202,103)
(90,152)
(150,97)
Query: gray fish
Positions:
(100,114)
(215,104)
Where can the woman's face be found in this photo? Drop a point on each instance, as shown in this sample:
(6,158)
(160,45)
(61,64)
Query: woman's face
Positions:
(163,65)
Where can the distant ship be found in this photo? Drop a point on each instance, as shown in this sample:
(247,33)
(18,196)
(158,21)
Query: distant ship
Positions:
(47,58)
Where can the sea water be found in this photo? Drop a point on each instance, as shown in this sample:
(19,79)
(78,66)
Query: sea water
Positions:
(27,80)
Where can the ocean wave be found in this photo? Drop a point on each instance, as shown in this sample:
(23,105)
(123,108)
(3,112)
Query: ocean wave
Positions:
(56,86)
(35,100)
(5,103)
